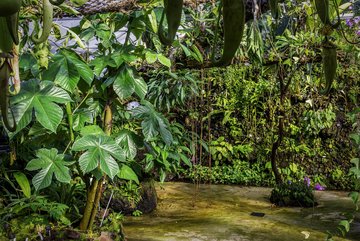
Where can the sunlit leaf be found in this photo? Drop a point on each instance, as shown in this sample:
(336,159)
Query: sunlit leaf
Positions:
(126,82)
(23,182)
(66,69)
(128,174)
(164,61)
(100,151)
(126,140)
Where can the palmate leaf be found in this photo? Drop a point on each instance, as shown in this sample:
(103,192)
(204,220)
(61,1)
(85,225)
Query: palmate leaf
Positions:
(128,142)
(50,162)
(153,124)
(101,151)
(82,116)
(67,68)
(41,97)
(126,82)
(101,62)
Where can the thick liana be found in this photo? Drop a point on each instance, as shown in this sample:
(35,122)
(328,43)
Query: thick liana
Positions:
(9,7)
(329,65)
(172,11)
(5,71)
(234,23)
(48,10)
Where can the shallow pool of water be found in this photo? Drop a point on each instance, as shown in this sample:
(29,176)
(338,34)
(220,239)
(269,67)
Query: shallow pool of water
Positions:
(188,212)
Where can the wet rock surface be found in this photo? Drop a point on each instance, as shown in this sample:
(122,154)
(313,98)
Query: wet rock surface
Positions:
(221,212)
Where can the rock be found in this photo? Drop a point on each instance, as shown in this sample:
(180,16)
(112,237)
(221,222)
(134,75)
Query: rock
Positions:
(72,234)
(147,203)
(105,236)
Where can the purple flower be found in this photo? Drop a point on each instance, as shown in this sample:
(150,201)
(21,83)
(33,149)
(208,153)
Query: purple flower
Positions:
(357,19)
(319,187)
(307,181)
(358,32)
(350,22)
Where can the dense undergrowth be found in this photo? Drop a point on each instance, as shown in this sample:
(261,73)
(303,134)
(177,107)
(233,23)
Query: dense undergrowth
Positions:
(243,120)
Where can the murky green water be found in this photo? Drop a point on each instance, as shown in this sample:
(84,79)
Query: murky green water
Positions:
(187,212)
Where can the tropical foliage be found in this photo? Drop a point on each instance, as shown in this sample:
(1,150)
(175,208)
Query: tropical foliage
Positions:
(127,108)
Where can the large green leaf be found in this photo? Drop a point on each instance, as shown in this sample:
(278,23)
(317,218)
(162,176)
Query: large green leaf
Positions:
(137,27)
(101,62)
(67,68)
(152,21)
(355,137)
(92,130)
(126,139)
(40,97)
(153,124)
(82,116)
(356,169)
(126,82)
(51,163)
(23,182)
(113,60)
(100,152)
(128,174)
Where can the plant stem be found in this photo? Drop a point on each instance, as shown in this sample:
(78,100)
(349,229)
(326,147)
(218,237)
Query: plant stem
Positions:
(96,204)
(277,143)
(84,224)
(216,32)
(201,117)
(209,120)
(92,211)
(82,101)
(15,69)
(71,121)
(108,119)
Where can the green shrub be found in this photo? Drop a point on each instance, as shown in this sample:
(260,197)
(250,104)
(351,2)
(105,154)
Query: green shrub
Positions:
(240,172)
(293,194)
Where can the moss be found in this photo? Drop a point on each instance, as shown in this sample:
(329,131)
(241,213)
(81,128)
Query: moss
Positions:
(222,212)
